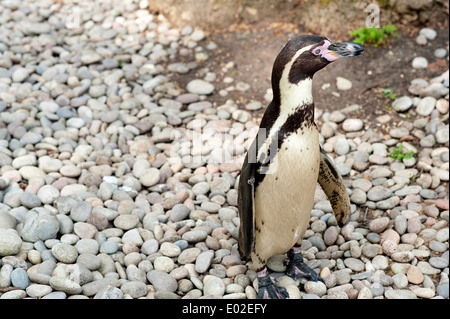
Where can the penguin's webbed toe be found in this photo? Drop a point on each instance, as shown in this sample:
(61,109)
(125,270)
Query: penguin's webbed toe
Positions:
(269,290)
(296,267)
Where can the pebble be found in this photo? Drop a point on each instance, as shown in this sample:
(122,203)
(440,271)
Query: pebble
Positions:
(65,285)
(429,33)
(420,63)
(426,106)
(162,281)
(10,242)
(19,278)
(352,125)
(200,87)
(38,290)
(343,84)
(213,286)
(65,253)
(402,104)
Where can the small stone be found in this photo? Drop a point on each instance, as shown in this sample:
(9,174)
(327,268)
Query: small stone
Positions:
(426,106)
(400,281)
(65,285)
(254,106)
(135,289)
(352,125)
(10,242)
(164,264)
(330,236)
(169,249)
(402,104)
(213,286)
(400,294)
(195,236)
(38,290)
(179,212)
(343,84)
(90,57)
(378,225)
(440,53)
(150,177)
(420,63)
(414,275)
(378,193)
(442,290)
(109,247)
(354,264)
(200,87)
(19,278)
(426,293)
(151,246)
(20,74)
(203,261)
(429,33)
(126,222)
(162,281)
(81,211)
(65,253)
(317,288)
(14,294)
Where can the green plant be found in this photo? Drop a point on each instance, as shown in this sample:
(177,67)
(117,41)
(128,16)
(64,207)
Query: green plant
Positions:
(390,94)
(375,36)
(399,154)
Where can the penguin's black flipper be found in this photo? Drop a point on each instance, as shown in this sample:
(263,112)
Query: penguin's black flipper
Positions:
(246,204)
(332,184)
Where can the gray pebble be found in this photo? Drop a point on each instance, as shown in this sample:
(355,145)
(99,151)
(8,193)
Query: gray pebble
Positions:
(200,87)
(402,104)
(10,242)
(29,200)
(400,294)
(65,285)
(203,261)
(109,293)
(179,212)
(442,289)
(65,253)
(19,278)
(109,247)
(162,281)
(419,63)
(440,53)
(135,289)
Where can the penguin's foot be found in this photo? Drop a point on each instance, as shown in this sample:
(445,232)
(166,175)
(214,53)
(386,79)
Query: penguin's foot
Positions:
(297,268)
(268,288)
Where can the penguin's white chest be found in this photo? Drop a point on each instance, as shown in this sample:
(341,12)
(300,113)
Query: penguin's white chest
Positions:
(284,199)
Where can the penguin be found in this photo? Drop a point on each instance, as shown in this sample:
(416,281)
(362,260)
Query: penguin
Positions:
(285,162)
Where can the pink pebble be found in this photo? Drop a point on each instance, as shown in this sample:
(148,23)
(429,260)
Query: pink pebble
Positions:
(441,204)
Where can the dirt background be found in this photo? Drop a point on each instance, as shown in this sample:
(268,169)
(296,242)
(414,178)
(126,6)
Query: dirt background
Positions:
(250,33)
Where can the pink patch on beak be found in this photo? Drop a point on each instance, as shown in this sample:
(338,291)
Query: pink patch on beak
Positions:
(325,53)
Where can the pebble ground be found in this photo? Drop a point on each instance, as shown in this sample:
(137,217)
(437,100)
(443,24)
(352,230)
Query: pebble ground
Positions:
(116,183)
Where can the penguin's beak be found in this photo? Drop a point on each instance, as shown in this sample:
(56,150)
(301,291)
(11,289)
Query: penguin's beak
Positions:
(333,51)
(345,49)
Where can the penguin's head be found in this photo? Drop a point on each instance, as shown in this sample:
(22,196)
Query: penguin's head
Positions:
(304,55)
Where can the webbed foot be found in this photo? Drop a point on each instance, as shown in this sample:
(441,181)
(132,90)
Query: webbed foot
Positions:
(296,267)
(267,288)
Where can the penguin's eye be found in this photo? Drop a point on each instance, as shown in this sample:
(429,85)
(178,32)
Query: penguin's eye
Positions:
(316,51)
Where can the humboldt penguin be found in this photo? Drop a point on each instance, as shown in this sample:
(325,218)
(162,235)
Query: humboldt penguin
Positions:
(284,163)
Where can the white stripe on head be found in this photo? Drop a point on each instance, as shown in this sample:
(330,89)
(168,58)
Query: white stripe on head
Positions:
(292,97)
